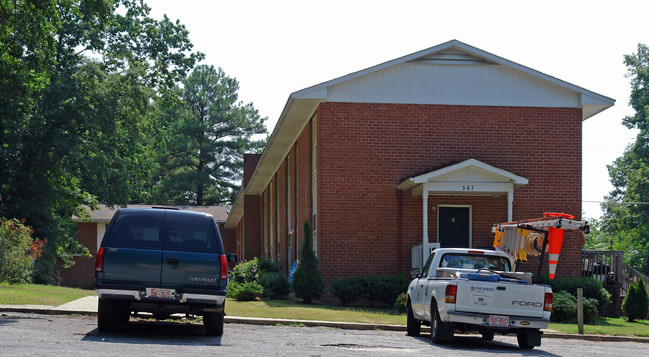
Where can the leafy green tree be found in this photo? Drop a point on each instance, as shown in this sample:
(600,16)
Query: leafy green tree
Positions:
(206,131)
(624,219)
(307,281)
(76,82)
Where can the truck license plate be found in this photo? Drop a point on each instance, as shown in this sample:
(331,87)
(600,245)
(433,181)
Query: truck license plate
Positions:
(498,320)
(160,293)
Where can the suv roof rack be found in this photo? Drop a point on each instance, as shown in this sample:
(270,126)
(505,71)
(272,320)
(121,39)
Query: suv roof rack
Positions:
(162,207)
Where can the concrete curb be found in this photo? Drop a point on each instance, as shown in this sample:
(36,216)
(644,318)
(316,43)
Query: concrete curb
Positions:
(53,310)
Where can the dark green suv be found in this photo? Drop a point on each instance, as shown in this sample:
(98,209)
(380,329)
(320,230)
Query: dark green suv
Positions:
(162,261)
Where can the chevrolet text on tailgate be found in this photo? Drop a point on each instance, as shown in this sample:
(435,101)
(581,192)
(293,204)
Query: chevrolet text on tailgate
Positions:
(477,290)
(161,261)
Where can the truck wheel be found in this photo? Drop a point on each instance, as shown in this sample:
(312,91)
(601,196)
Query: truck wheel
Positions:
(413,325)
(161,315)
(107,315)
(440,332)
(487,336)
(213,322)
(123,313)
(528,340)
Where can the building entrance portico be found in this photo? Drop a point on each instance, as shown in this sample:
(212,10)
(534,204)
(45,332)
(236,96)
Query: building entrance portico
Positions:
(467,178)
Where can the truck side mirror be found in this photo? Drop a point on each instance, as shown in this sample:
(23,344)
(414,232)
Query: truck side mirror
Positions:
(414,272)
(231,257)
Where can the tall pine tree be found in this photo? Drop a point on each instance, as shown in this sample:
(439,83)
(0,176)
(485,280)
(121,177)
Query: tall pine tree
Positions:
(206,131)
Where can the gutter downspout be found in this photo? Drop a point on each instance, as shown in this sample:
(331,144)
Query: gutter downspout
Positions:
(399,227)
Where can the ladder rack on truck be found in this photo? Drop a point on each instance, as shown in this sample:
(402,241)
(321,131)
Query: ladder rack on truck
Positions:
(532,237)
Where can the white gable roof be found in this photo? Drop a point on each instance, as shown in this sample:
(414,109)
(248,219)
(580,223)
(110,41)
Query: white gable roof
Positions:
(455,73)
(452,73)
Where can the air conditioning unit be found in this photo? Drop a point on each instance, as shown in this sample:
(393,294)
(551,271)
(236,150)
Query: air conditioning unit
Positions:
(416,255)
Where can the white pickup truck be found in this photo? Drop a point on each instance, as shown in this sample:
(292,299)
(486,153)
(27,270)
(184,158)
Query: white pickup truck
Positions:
(473,290)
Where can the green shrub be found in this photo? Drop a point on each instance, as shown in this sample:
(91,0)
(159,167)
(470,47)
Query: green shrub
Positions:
(371,287)
(275,284)
(593,289)
(636,303)
(307,281)
(400,303)
(16,262)
(391,286)
(346,289)
(246,272)
(564,308)
(248,291)
(268,265)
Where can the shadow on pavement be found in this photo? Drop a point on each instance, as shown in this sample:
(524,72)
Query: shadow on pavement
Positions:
(156,332)
(477,345)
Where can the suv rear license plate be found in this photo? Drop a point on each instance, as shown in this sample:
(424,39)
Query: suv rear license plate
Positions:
(160,293)
(498,320)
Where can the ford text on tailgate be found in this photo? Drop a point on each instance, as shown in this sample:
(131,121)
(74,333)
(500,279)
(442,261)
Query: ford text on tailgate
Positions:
(161,261)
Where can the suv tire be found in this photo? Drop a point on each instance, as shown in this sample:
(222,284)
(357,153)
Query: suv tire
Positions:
(107,315)
(213,322)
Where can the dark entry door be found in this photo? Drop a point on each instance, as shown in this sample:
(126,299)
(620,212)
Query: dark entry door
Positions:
(454,223)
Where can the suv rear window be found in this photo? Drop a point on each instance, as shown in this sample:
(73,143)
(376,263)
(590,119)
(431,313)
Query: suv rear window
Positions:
(190,233)
(137,229)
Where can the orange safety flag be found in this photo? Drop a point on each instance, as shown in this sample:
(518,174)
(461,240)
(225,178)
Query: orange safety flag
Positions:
(555,236)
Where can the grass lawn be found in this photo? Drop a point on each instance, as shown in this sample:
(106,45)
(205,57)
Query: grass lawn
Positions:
(34,294)
(607,326)
(284,309)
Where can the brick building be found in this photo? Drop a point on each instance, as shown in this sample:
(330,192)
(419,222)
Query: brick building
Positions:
(430,148)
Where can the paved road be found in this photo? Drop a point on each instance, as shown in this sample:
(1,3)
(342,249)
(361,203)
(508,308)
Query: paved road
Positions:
(24,334)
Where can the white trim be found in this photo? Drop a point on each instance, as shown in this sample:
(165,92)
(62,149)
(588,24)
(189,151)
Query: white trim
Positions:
(470,207)
(101,230)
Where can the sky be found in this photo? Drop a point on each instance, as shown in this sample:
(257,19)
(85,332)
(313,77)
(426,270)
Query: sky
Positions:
(275,48)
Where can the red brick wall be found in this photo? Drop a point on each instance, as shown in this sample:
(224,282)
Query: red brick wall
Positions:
(82,273)
(291,172)
(228,238)
(249,236)
(281,216)
(252,221)
(303,183)
(366,150)
(249,164)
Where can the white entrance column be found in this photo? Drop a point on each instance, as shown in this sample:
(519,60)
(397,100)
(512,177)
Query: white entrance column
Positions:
(510,204)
